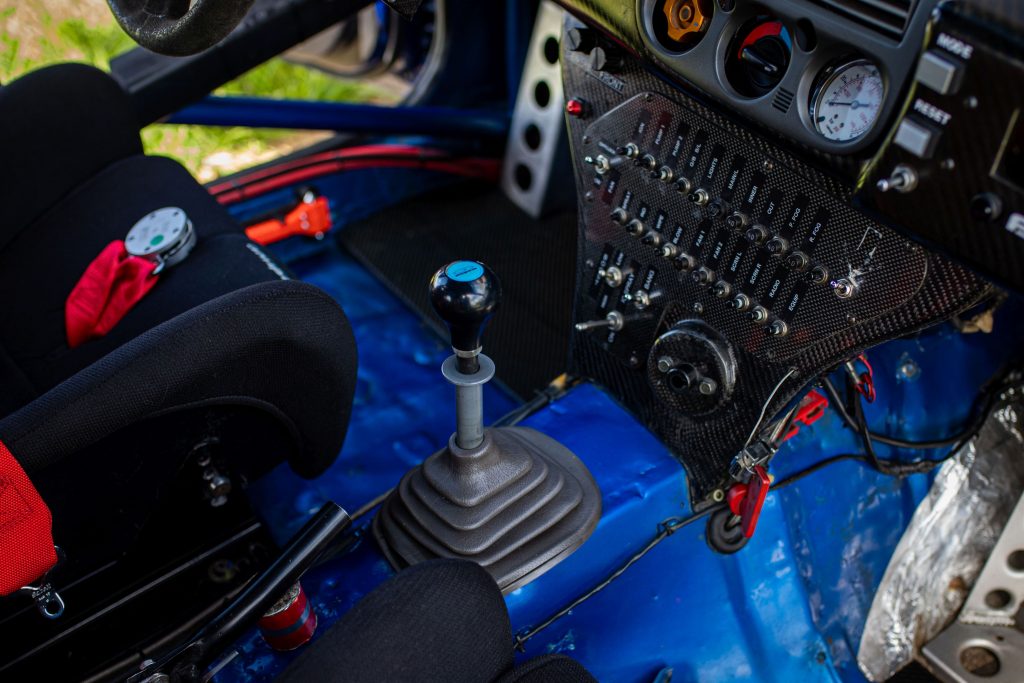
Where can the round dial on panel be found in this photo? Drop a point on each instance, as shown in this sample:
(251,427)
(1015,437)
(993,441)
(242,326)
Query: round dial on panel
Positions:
(847,100)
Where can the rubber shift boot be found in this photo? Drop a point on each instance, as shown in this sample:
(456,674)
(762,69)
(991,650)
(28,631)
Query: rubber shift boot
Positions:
(517,504)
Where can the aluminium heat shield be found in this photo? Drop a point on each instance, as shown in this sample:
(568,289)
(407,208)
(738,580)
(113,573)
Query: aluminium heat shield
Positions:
(944,548)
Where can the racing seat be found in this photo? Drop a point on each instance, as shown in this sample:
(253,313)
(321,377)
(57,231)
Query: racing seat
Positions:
(440,620)
(225,355)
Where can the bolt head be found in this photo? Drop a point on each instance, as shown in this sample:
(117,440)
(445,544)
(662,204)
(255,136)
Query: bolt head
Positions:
(707,387)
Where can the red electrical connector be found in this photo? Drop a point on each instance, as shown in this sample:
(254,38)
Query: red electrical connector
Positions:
(747,500)
(810,411)
(863,382)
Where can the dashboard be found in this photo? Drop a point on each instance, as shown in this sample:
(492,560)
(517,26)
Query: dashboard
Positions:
(744,226)
(825,73)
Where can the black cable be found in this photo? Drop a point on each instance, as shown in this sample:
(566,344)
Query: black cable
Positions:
(368,506)
(551,393)
(853,398)
(669,526)
(665,529)
(548,395)
(819,465)
(893,468)
(895,442)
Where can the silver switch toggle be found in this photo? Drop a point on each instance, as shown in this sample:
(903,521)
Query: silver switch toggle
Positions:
(613,321)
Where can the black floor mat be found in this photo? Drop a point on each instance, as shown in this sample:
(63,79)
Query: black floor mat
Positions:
(528,338)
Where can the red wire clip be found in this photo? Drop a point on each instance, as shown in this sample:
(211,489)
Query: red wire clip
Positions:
(863,382)
(810,411)
(747,500)
(308,218)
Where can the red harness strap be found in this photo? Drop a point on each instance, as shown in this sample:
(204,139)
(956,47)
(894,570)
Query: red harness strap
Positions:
(110,286)
(26,536)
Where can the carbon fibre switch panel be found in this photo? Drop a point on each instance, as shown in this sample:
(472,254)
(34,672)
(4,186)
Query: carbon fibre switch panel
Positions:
(728,266)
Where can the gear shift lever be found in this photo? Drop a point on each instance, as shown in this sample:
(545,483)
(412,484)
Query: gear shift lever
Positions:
(465,294)
(513,500)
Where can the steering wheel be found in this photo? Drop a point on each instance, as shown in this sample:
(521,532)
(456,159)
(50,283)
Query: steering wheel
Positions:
(178,27)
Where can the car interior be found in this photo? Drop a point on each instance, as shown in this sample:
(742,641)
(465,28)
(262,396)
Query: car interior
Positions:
(640,340)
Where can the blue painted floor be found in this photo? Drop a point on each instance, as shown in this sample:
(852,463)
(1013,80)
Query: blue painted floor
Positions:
(404,409)
(789,607)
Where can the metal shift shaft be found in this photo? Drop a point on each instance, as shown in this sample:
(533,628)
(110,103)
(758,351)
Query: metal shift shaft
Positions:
(465,295)
(469,399)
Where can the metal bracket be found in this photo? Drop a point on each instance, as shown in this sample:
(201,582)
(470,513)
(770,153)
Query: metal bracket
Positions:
(537,142)
(985,643)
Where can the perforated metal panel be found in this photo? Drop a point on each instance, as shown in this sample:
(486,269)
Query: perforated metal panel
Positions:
(536,140)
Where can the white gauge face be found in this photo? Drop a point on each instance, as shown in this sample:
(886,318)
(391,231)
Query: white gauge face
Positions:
(847,101)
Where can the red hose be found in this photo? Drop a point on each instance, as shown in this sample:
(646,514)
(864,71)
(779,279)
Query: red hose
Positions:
(352,158)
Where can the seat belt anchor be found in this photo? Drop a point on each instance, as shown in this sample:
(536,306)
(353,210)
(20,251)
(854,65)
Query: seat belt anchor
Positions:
(47,599)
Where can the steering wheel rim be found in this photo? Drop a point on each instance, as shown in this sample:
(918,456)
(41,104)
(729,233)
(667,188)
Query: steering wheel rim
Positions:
(178,27)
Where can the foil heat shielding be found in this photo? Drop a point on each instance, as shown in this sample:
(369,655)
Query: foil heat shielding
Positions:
(946,544)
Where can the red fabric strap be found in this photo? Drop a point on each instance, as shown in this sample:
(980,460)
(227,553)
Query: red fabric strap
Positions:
(110,286)
(26,535)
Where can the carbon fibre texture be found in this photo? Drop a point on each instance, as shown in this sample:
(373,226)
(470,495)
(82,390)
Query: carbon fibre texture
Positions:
(978,156)
(1009,13)
(407,8)
(902,287)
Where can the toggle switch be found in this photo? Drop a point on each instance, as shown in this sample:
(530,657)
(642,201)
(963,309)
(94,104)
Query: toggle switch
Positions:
(703,275)
(636,227)
(777,245)
(614,321)
(647,161)
(684,262)
(797,261)
(737,220)
(700,196)
(612,275)
(740,302)
(759,315)
(652,238)
(757,234)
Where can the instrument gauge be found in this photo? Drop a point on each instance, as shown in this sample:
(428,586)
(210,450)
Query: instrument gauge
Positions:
(847,100)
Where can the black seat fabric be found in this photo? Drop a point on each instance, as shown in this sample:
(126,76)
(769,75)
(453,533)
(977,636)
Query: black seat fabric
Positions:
(224,327)
(283,347)
(442,620)
(40,265)
(61,126)
(34,285)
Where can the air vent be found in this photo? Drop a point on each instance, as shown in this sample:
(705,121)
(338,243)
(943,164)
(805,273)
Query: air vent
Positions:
(885,16)
(783,98)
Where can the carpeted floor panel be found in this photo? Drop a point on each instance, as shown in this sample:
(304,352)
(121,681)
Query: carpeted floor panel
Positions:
(528,338)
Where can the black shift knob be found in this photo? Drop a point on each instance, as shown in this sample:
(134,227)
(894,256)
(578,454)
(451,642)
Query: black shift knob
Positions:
(465,295)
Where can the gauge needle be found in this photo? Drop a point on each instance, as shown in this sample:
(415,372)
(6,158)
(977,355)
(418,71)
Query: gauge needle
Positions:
(748,54)
(852,105)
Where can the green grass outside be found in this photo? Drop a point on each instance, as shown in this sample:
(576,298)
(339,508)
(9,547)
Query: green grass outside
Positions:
(207,151)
